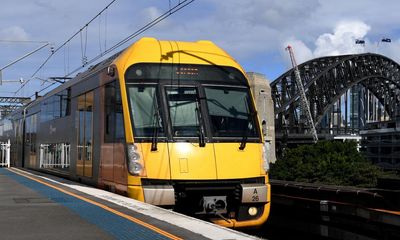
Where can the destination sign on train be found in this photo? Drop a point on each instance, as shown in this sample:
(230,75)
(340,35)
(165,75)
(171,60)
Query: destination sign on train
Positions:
(184,72)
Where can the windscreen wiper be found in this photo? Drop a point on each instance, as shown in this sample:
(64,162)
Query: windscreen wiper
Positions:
(202,140)
(154,139)
(244,138)
(246,128)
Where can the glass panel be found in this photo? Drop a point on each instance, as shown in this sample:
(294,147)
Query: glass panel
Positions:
(55,156)
(81,134)
(85,144)
(88,134)
(119,118)
(119,128)
(183,72)
(229,111)
(64,102)
(144,110)
(183,110)
(81,116)
(114,124)
(109,109)
(57,106)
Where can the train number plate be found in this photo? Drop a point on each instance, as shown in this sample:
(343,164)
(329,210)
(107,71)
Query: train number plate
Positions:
(254,193)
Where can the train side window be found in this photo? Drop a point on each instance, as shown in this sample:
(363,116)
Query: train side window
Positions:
(119,119)
(114,126)
(109,99)
(56,106)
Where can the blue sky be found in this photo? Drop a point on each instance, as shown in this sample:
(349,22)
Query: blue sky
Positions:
(254,32)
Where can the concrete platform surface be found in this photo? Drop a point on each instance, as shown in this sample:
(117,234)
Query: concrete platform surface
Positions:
(39,206)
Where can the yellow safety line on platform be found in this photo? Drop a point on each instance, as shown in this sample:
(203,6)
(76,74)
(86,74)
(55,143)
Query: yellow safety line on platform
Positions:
(135,220)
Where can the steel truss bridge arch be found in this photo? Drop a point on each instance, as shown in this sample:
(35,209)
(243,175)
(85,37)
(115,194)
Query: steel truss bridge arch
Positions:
(326,80)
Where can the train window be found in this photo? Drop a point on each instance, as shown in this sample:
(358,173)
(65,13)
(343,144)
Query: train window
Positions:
(56,106)
(230,112)
(114,125)
(119,118)
(55,155)
(145,112)
(183,111)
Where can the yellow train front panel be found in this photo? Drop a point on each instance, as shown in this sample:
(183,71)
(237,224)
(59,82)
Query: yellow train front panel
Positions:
(193,138)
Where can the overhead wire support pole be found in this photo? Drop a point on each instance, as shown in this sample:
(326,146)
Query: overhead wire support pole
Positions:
(303,98)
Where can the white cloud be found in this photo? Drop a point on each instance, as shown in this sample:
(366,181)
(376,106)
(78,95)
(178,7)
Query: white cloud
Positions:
(342,40)
(14,33)
(255,32)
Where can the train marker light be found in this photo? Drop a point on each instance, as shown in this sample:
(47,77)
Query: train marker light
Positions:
(139,72)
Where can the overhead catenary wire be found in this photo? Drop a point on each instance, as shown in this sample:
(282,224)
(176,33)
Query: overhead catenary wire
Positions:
(22,41)
(146,27)
(62,45)
(149,25)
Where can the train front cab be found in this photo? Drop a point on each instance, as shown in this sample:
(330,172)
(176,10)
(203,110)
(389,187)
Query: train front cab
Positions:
(193,137)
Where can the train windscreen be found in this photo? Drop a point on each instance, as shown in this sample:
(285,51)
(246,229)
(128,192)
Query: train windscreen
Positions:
(194,101)
(183,111)
(145,110)
(230,112)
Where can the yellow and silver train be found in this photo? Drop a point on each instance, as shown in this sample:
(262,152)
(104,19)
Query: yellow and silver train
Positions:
(165,122)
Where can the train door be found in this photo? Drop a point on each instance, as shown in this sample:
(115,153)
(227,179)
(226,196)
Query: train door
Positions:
(113,164)
(84,163)
(17,147)
(30,141)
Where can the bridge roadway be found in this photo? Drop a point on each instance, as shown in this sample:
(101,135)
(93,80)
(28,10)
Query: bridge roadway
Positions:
(38,206)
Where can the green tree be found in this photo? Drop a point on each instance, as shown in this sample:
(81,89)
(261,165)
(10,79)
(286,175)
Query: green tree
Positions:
(327,162)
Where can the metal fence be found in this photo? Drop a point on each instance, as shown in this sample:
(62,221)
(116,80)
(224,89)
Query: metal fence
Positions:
(55,155)
(5,154)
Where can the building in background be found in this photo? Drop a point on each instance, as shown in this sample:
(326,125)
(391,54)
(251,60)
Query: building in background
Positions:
(262,93)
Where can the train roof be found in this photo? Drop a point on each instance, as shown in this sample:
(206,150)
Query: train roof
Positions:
(152,50)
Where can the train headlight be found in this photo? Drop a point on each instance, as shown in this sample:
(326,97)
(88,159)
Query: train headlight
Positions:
(266,149)
(135,165)
(135,168)
(252,211)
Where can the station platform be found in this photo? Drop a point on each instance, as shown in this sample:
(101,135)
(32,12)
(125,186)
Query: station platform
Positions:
(38,206)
